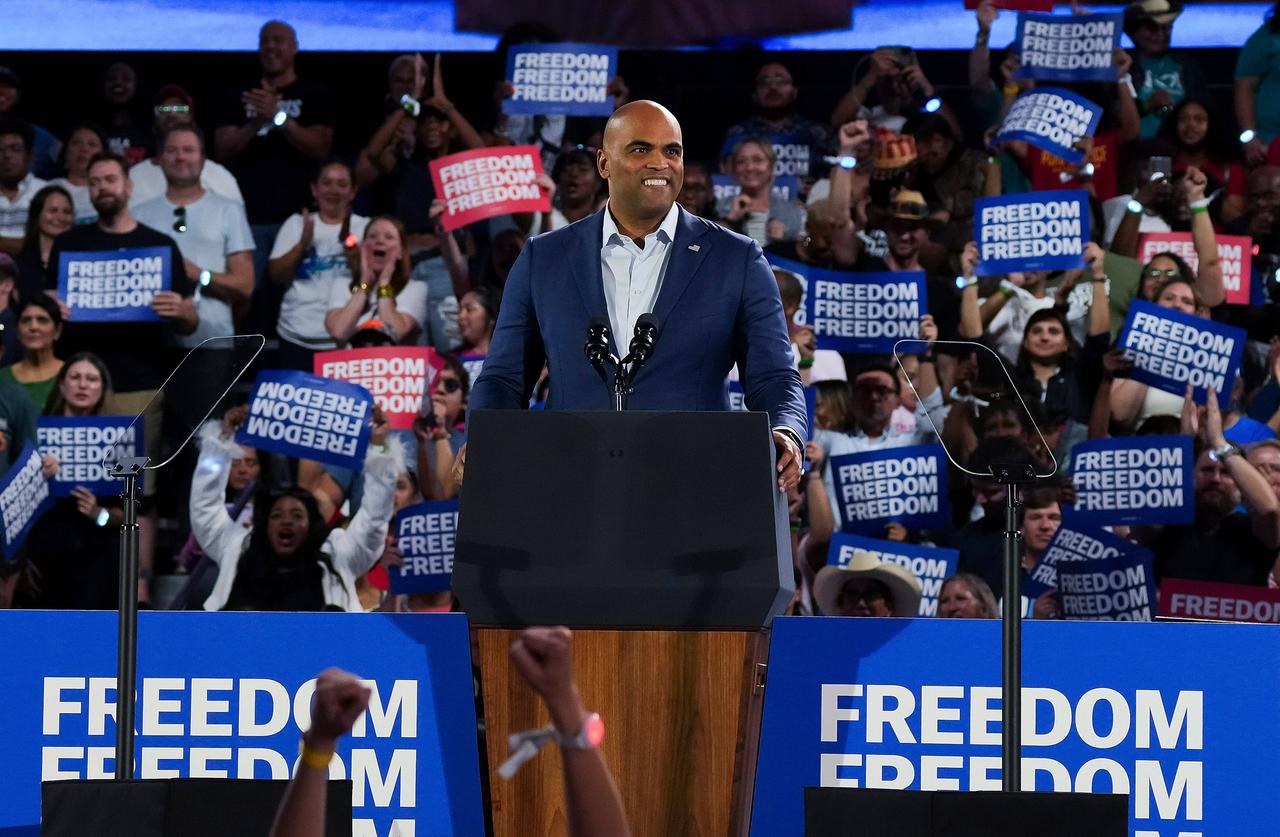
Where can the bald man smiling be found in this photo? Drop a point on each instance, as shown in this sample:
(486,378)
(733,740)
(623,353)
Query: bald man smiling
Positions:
(711,291)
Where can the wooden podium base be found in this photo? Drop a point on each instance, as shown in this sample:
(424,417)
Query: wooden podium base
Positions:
(682,723)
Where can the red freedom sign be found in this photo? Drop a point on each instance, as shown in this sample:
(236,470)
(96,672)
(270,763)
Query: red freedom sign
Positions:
(1018,5)
(1235,254)
(485,182)
(396,376)
(1213,602)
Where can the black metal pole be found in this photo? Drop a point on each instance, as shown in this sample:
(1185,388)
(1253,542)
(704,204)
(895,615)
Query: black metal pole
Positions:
(1011,647)
(127,640)
(621,382)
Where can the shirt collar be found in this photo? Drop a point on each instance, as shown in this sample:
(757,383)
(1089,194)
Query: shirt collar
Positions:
(666,231)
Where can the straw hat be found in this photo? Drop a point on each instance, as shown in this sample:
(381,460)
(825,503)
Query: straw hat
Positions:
(902,584)
(1160,11)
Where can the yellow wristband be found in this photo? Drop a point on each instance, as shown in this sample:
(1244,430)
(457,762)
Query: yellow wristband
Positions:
(363,288)
(314,760)
(1010,90)
(386,292)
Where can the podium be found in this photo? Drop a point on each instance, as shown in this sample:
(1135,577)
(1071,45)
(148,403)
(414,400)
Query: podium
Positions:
(661,539)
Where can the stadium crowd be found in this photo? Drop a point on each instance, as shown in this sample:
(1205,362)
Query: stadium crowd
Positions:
(268,229)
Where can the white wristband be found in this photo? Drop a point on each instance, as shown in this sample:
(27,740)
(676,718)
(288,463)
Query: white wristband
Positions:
(1200,204)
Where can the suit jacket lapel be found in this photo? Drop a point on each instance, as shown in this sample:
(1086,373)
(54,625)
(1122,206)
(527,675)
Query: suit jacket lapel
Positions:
(688,252)
(584,264)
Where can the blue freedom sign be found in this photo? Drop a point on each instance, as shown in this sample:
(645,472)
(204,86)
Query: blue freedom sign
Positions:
(784,188)
(82,444)
(1118,586)
(1170,349)
(859,312)
(795,155)
(905,485)
(1143,480)
(1031,231)
(929,564)
(1153,711)
(229,695)
(1068,47)
(425,534)
(113,286)
(1051,119)
(303,415)
(560,79)
(24,496)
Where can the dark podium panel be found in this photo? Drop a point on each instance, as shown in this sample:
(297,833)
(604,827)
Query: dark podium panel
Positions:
(631,519)
(176,807)
(861,812)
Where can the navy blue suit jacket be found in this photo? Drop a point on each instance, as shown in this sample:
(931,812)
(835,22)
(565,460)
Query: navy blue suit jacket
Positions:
(718,305)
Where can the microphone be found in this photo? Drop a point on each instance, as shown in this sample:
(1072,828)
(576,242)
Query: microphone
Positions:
(597,346)
(642,343)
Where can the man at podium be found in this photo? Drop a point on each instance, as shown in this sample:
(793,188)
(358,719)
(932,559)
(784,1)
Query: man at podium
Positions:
(711,292)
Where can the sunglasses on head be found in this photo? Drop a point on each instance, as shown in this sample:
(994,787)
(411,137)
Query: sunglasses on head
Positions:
(180,219)
(449,385)
(1157,273)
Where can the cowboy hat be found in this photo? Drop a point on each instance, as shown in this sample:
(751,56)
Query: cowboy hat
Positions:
(902,584)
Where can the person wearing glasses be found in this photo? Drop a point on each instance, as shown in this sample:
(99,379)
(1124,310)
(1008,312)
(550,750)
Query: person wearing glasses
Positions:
(441,431)
(211,231)
(774,97)
(174,107)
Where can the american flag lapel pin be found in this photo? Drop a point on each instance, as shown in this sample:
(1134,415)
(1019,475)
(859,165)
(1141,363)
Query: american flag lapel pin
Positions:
(695,247)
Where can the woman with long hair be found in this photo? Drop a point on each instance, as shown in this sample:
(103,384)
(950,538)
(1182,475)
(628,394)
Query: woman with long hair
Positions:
(83,142)
(52,213)
(289,560)
(73,545)
(39,327)
(382,290)
(1196,131)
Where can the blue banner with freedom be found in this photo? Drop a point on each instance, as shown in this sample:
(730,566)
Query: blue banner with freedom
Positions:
(1068,47)
(795,155)
(929,564)
(113,285)
(1180,717)
(228,695)
(1142,480)
(905,485)
(24,496)
(859,312)
(1170,349)
(560,79)
(1051,119)
(86,447)
(302,415)
(1031,231)
(425,534)
(1117,585)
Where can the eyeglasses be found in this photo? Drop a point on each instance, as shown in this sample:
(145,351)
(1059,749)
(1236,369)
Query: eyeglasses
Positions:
(1157,273)
(180,219)
(162,109)
(449,385)
(873,390)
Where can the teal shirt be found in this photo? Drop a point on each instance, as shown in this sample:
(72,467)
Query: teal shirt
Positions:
(1163,73)
(1260,58)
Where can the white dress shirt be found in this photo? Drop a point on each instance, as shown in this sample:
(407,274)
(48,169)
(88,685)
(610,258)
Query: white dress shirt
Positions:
(633,275)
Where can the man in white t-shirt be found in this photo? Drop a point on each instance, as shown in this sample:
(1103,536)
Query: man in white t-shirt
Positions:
(175,108)
(212,232)
(17,184)
(310,257)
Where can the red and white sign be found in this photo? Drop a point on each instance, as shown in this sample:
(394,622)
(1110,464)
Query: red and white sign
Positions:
(1213,602)
(1018,5)
(396,376)
(1235,255)
(485,182)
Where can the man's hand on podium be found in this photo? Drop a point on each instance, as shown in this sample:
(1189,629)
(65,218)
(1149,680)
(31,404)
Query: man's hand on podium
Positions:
(789,461)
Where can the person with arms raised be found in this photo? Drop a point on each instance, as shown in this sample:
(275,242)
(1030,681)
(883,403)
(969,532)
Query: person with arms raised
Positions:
(710,290)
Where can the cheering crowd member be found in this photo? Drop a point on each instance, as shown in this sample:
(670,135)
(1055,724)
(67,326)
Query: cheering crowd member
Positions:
(643,253)
(544,658)
(291,561)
